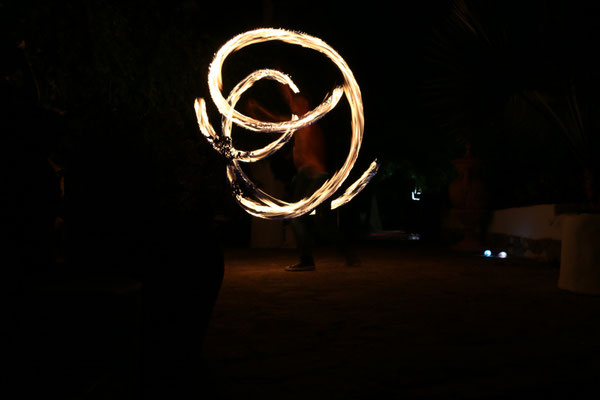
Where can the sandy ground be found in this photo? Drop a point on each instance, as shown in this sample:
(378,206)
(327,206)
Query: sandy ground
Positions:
(412,322)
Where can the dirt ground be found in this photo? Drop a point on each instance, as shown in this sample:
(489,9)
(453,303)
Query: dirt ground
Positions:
(413,321)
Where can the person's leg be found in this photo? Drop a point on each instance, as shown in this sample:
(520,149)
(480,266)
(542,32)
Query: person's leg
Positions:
(302,232)
(328,229)
(301,226)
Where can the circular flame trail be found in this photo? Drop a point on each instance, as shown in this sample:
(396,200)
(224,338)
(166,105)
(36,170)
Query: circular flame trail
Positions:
(257,202)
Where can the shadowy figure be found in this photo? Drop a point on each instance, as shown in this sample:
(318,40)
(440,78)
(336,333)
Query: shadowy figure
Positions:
(124,316)
(29,198)
(123,226)
(309,157)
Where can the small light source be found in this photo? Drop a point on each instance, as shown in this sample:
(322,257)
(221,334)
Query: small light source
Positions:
(502,254)
(416,194)
(487,253)
(414,236)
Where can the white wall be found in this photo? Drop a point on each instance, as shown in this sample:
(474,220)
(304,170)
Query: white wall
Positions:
(533,222)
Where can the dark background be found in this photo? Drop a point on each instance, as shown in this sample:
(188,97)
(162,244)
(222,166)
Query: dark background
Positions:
(105,90)
(121,78)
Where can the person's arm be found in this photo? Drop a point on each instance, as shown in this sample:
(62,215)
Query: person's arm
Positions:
(257,111)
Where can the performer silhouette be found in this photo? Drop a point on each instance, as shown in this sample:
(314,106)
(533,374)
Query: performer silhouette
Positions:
(310,161)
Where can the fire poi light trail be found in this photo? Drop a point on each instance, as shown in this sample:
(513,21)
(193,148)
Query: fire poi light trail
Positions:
(255,201)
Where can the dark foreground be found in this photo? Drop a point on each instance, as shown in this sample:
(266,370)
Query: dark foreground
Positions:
(412,322)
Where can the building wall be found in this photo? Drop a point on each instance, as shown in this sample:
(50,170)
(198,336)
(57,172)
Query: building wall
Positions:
(533,222)
(532,232)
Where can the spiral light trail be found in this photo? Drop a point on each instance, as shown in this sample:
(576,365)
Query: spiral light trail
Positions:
(252,199)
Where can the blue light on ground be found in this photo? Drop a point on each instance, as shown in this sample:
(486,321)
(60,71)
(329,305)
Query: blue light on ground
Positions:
(488,253)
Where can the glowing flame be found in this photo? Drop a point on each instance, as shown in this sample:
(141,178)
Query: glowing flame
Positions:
(256,202)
